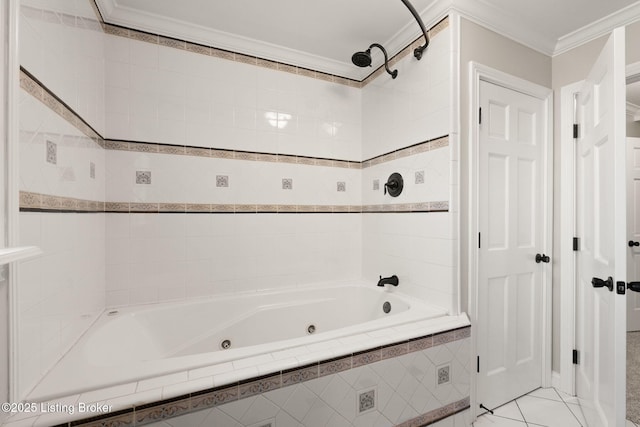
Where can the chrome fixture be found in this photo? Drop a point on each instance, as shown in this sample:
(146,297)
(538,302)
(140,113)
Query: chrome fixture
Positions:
(386,307)
(420,49)
(363,59)
(393,281)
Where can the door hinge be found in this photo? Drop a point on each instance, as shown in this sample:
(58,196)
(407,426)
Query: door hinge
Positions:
(478,365)
(576,357)
(480,115)
(576,244)
(576,129)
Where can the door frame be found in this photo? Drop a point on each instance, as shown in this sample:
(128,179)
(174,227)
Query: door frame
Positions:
(567,381)
(478,73)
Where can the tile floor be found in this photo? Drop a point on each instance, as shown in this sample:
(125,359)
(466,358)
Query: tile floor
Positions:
(543,407)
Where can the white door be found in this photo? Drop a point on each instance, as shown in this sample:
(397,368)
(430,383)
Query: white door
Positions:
(511,212)
(601,227)
(633,231)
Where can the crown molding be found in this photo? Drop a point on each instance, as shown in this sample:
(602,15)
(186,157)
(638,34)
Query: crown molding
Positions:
(598,28)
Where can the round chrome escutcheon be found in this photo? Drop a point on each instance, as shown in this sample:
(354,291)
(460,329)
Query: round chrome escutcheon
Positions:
(386,307)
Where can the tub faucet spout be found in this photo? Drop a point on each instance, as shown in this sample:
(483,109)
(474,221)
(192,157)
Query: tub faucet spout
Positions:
(393,280)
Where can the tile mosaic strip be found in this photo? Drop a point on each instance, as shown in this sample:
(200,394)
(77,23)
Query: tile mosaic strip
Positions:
(32,202)
(206,399)
(35,88)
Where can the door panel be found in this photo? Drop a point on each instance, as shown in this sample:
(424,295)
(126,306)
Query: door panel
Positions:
(511,227)
(601,225)
(633,233)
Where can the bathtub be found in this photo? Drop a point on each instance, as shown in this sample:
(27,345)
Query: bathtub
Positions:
(135,343)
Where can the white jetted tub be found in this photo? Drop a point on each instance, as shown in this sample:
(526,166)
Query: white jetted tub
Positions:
(134,343)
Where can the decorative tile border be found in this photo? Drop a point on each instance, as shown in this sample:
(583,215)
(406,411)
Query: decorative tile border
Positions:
(36,202)
(35,88)
(207,399)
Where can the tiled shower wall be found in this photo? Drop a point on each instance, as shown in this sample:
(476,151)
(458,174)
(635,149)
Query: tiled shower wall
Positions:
(221,173)
(62,291)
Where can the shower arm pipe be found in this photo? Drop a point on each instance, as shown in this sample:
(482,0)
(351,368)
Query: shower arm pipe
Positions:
(393,73)
(418,51)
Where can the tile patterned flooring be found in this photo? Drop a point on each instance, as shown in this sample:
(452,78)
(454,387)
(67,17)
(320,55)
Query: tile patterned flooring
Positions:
(543,407)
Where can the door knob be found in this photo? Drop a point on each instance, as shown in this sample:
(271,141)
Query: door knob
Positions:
(633,286)
(599,283)
(632,243)
(542,258)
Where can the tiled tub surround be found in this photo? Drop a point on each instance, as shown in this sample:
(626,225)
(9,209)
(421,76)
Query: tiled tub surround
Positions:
(185,336)
(405,365)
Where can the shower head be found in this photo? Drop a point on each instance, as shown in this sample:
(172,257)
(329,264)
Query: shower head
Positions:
(363,59)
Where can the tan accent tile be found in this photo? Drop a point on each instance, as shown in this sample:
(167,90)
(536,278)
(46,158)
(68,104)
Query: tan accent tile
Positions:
(287,208)
(355,165)
(222,154)
(143,37)
(420,344)
(438,27)
(376,161)
(198,207)
(299,375)
(223,54)
(30,200)
(215,398)
(171,149)
(30,86)
(366,357)
(324,76)
(246,59)
(117,420)
(198,48)
(424,206)
(439,206)
(355,208)
(341,164)
(172,207)
(115,30)
(222,208)
(110,144)
(439,143)
(261,157)
(143,207)
(444,338)
(143,148)
(307,73)
(161,412)
(340,209)
(285,158)
(197,151)
(343,81)
(324,162)
(405,152)
(67,203)
(267,208)
(262,385)
(355,83)
(116,207)
(334,366)
(245,208)
(96,206)
(287,68)
(83,206)
(385,208)
(51,102)
(241,155)
(420,148)
(51,202)
(463,333)
(69,116)
(306,161)
(264,63)
(174,43)
(394,350)
(366,164)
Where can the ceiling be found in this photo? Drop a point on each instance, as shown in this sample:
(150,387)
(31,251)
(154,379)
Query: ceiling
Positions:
(322,35)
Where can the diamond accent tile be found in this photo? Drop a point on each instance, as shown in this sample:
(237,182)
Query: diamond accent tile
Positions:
(287,183)
(342,186)
(376,184)
(420,177)
(52,152)
(366,401)
(143,177)
(92,170)
(222,181)
(443,375)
